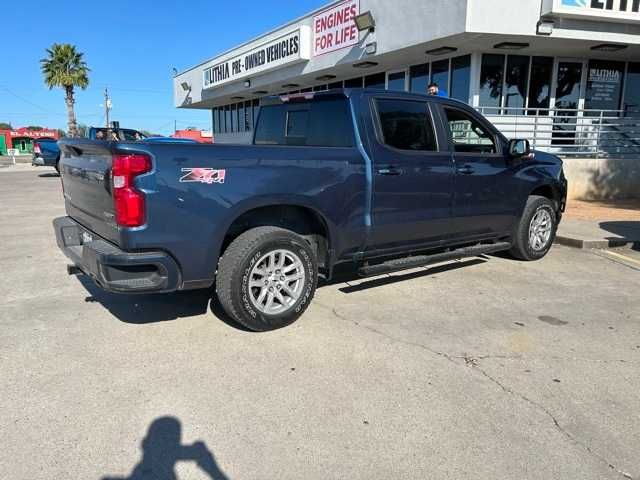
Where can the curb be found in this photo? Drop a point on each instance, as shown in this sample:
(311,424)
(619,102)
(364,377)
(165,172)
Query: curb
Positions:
(594,244)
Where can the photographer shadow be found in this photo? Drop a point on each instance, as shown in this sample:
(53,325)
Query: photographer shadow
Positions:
(162,450)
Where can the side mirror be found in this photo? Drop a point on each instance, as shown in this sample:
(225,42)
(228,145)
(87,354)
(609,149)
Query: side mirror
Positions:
(519,148)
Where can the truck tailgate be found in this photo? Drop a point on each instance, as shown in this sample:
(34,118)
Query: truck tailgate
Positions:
(86,180)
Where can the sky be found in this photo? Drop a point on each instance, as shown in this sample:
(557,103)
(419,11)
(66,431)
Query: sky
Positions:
(131,48)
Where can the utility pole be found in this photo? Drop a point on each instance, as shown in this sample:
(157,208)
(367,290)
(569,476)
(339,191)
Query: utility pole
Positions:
(107,105)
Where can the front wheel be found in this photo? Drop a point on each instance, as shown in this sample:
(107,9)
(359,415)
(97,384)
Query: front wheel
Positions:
(266,278)
(536,232)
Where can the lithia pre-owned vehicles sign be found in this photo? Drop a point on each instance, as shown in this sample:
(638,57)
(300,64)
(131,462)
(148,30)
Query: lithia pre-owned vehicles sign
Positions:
(287,49)
(624,11)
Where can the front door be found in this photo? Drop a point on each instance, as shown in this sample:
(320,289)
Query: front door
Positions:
(485,200)
(413,177)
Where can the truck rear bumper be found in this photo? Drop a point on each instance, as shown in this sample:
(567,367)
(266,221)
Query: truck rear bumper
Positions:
(112,269)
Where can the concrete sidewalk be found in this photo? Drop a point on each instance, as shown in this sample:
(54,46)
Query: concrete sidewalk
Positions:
(599,234)
(603,224)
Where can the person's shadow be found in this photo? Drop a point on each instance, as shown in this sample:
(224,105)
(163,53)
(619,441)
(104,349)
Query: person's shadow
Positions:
(162,450)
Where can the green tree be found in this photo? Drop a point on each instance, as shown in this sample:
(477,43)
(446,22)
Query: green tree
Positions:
(65,68)
(62,133)
(5,126)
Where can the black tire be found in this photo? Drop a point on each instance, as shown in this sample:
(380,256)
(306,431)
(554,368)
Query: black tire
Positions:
(57,167)
(234,275)
(522,247)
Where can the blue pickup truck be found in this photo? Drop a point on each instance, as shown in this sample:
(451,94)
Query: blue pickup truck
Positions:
(382,181)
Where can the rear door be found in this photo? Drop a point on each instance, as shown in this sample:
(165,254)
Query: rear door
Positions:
(86,180)
(413,176)
(485,200)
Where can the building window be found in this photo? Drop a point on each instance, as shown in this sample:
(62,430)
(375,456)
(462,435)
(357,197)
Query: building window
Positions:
(227,119)
(540,85)
(397,81)
(320,88)
(491,78)
(461,78)
(336,85)
(256,108)
(632,92)
(516,83)
(440,74)
(353,83)
(604,85)
(377,80)
(419,78)
(406,125)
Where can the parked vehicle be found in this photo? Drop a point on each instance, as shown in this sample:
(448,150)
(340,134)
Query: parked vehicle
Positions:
(384,181)
(46,153)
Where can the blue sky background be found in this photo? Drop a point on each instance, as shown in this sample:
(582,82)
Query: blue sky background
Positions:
(131,47)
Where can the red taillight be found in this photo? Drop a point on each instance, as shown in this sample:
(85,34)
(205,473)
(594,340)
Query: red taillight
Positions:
(36,149)
(128,201)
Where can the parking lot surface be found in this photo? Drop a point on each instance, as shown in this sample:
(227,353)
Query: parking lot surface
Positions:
(480,369)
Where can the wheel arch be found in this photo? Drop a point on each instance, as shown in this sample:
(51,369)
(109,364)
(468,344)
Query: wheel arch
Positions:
(300,218)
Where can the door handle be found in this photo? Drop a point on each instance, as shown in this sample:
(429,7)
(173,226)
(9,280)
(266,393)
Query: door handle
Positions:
(390,170)
(466,170)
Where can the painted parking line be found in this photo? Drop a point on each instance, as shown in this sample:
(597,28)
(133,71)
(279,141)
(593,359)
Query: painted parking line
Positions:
(619,258)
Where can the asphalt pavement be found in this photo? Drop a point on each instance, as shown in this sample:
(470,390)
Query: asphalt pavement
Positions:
(480,369)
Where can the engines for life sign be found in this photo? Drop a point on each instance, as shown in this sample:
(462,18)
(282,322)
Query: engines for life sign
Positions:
(335,29)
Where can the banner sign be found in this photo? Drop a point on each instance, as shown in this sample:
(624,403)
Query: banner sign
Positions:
(623,11)
(288,49)
(335,28)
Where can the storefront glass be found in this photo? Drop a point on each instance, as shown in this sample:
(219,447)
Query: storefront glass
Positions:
(540,85)
(516,83)
(397,81)
(631,104)
(460,78)
(419,78)
(376,80)
(567,102)
(491,79)
(440,74)
(604,85)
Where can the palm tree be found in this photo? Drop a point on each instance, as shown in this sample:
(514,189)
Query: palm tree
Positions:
(65,68)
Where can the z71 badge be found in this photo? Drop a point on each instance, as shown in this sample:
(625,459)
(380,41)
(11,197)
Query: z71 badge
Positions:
(203,175)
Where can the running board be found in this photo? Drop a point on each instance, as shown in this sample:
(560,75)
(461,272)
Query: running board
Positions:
(408,263)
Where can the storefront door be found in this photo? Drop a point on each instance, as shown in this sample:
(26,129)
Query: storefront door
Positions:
(3,145)
(568,95)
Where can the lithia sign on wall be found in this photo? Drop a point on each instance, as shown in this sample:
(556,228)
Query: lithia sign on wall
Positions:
(289,48)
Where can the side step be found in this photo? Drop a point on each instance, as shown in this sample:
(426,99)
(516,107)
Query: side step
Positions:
(408,263)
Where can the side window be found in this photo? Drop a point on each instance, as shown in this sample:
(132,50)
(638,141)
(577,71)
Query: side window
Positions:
(468,135)
(406,125)
(320,123)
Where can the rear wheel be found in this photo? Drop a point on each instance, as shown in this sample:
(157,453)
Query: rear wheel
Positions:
(536,232)
(57,166)
(266,278)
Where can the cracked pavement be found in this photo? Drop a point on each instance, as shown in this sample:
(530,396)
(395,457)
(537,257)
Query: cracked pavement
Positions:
(479,369)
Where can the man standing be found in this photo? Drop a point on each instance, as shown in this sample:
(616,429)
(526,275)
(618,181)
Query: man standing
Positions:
(434,90)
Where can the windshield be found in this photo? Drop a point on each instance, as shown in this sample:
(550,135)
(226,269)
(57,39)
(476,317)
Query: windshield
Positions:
(120,135)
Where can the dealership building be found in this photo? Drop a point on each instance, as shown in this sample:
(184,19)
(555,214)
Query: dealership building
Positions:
(563,73)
